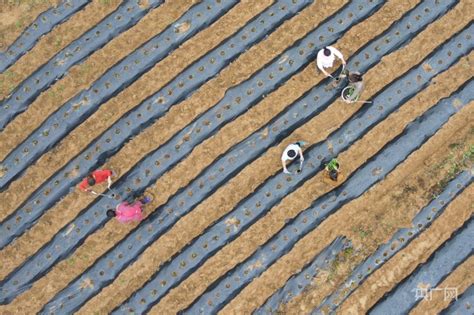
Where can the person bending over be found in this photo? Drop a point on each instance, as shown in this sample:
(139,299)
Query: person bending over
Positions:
(352,92)
(96,177)
(332,169)
(326,57)
(290,153)
(128,212)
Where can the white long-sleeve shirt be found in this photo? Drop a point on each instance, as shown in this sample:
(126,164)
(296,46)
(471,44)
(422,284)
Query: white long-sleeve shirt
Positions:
(324,61)
(291,152)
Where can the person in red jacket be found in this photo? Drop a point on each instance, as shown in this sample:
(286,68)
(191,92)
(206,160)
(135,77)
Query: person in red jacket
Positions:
(96,177)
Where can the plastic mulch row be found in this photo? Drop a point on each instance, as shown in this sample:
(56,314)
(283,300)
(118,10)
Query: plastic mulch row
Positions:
(122,74)
(93,213)
(303,279)
(407,294)
(399,240)
(139,118)
(149,166)
(269,193)
(42,25)
(126,15)
(215,174)
(228,286)
(463,304)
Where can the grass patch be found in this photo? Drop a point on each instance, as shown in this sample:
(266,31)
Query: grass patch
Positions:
(363,233)
(58,41)
(52,94)
(341,258)
(402,195)
(9,74)
(348,252)
(452,166)
(333,269)
(468,156)
(453,146)
(19,23)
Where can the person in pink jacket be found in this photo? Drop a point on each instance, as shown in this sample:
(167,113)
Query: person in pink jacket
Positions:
(128,212)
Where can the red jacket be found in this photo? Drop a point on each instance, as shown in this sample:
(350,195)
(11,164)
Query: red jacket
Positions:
(99,176)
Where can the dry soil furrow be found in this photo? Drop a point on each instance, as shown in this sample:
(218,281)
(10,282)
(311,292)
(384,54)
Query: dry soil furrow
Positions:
(376,215)
(16,16)
(122,233)
(461,279)
(81,76)
(141,145)
(248,299)
(286,34)
(403,264)
(325,283)
(53,42)
(117,163)
(350,159)
(112,110)
(230,135)
(317,126)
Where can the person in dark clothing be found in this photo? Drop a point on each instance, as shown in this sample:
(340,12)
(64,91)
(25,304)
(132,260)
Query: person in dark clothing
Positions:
(333,169)
(351,93)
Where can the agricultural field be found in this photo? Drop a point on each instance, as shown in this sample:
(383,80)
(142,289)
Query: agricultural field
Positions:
(191,103)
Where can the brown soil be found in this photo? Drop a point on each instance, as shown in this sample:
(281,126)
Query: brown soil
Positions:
(131,97)
(262,53)
(175,301)
(379,222)
(178,177)
(229,135)
(301,199)
(406,196)
(81,76)
(53,42)
(16,16)
(227,78)
(79,200)
(461,279)
(406,261)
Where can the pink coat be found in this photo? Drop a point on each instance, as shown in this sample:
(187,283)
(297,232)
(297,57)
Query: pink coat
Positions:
(126,212)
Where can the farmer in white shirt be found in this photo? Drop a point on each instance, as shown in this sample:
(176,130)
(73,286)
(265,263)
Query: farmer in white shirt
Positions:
(290,153)
(326,57)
